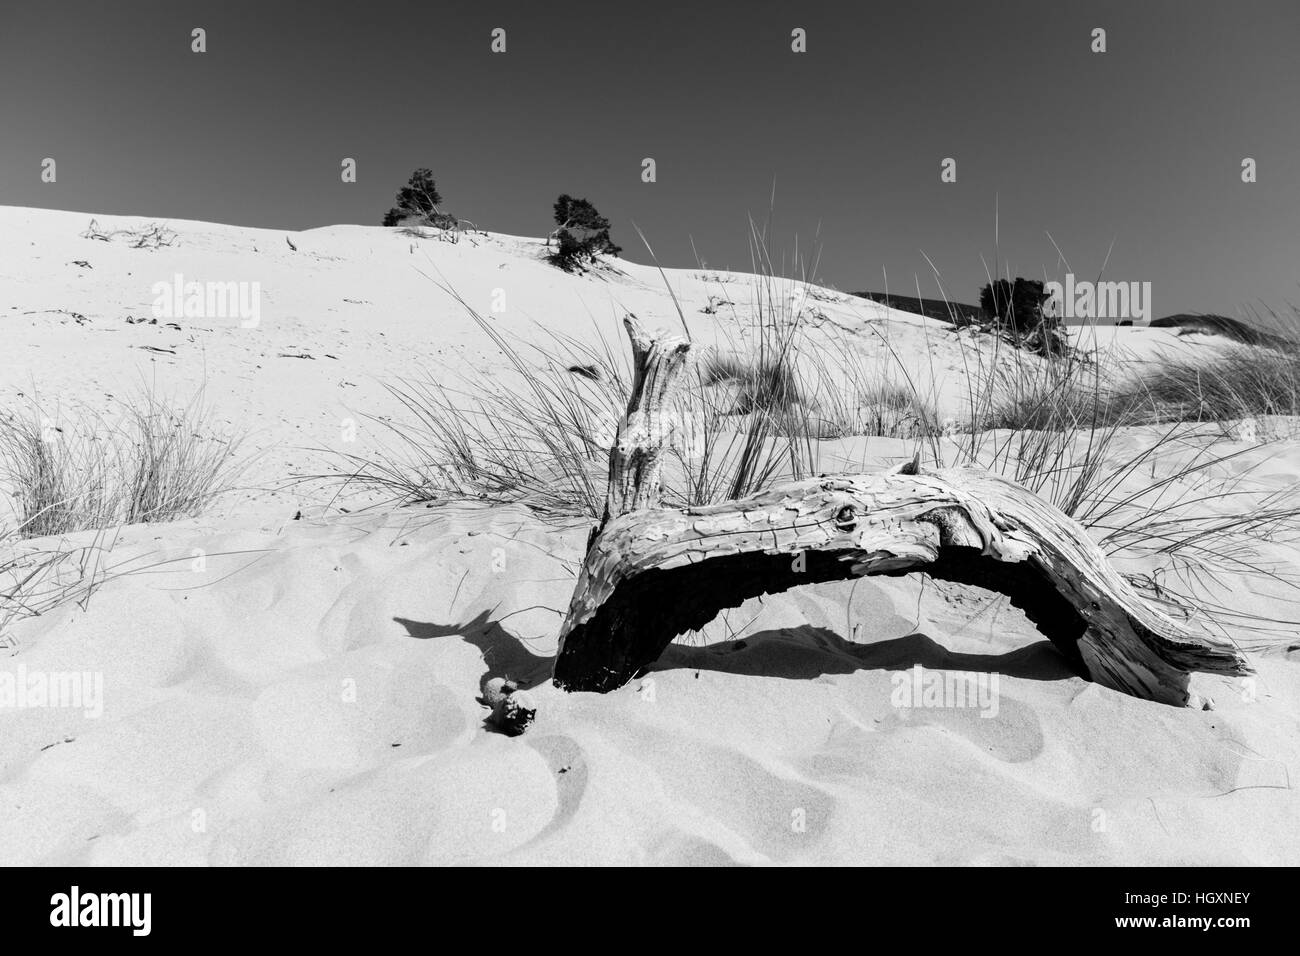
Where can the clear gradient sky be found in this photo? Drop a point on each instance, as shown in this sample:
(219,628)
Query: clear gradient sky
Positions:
(1141,145)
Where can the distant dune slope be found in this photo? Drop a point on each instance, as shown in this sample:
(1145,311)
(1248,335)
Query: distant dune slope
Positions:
(1208,324)
(939,309)
(344,310)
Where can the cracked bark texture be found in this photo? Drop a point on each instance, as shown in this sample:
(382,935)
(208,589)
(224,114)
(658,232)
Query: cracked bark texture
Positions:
(635,459)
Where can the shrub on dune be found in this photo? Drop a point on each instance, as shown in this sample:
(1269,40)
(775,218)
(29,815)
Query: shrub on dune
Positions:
(417,204)
(581,234)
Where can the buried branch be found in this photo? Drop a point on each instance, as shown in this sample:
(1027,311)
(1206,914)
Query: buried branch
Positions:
(651,574)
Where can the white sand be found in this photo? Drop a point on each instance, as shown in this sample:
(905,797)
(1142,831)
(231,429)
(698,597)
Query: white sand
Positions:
(306,692)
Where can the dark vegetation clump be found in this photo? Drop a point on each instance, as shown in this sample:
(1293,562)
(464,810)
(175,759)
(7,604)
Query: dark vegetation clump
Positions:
(1015,311)
(1017,306)
(417,204)
(581,234)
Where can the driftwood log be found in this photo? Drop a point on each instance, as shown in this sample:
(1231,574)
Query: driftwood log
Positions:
(651,573)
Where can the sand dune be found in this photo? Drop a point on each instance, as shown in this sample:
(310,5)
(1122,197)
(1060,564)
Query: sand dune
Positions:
(304,691)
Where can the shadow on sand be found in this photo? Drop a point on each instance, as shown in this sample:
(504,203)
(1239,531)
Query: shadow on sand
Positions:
(805,653)
(800,653)
(505,655)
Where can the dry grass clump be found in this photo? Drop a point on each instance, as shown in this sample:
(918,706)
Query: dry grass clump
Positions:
(1056,425)
(543,441)
(145,462)
(1241,382)
(1150,466)
(70,482)
(892,410)
(1234,382)
(766,384)
(542,437)
(870,406)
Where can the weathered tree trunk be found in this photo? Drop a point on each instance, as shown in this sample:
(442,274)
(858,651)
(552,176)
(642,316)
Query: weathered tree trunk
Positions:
(636,457)
(651,574)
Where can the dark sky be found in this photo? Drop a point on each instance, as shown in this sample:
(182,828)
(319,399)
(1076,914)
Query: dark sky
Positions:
(1141,144)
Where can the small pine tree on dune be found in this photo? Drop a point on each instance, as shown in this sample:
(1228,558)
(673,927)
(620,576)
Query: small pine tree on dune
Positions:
(1018,310)
(417,202)
(581,234)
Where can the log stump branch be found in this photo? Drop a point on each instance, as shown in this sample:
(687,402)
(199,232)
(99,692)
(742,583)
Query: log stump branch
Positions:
(636,457)
(651,574)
